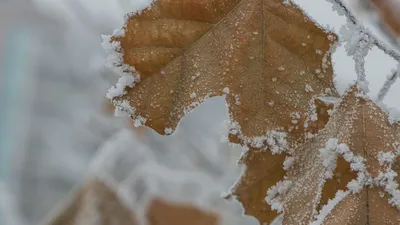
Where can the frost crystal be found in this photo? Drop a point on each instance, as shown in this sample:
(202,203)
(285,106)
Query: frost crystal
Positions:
(112,49)
(226,90)
(168,130)
(119,89)
(387,178)
(386,158)
(115,61)
(288,163)
(326,209)
(273,140)
(275,192)
(328,156)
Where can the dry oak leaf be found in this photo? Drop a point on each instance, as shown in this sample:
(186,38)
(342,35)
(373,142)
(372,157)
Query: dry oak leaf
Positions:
(266,57)
(264,169)
(96,203)
(388,10)
(364,128)
(161,212)
(269,60)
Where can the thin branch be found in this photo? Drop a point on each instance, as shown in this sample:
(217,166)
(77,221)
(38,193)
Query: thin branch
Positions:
(387,85)
(375,41)
(359,59)
(395,55)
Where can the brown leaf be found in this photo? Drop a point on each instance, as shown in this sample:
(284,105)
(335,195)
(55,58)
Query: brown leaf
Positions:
(267,58)
(264,169)
(97,203)
(342,176)
(267,55)
(388,10)
(161,212)
(365,129)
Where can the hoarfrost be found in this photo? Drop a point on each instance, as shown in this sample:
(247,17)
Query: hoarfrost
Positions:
(385,158)
(387,178)
(226,90)
(119,89)
(113,51)
(288,163)
(308,88)
(168,130)
(273,140)
(326,209)
(328,156)
(275,192)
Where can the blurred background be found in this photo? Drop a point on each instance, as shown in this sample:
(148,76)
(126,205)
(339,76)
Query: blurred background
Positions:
(56,128)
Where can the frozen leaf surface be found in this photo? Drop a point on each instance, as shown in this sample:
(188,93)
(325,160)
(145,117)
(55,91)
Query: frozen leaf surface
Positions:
(262,54)
(360,133)
(269,60)
(165,213)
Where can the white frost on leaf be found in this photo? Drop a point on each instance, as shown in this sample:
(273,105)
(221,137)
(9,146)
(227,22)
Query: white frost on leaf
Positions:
(226,90)
(123,108)
(274,193)
(329,156)
(119,89)
(273,140)
(113,51)
(386,158)
(326,209)
(386,179)
(168,131)
(288,163)
(129,75)
(90,212)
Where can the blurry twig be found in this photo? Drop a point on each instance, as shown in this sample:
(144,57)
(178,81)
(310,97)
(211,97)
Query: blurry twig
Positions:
(394,54)
(387,85)
(375,41)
